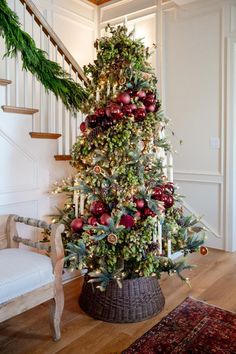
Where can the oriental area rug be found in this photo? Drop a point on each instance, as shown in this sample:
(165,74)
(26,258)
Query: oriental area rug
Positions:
(192,327)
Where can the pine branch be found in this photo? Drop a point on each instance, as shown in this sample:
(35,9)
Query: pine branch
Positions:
(35,60)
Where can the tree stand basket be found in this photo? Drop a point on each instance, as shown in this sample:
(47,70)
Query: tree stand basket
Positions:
(137,300)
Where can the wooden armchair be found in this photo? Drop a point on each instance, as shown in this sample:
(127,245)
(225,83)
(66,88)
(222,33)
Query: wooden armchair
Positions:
(28,278)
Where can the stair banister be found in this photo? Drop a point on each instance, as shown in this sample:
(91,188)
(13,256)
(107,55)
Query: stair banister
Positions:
(47,29)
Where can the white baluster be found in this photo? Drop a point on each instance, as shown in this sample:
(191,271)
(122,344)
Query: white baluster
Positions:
(63,130)
(17,81)
(7,77)
(33,77)
(41,87)
(25,82)
(56,103)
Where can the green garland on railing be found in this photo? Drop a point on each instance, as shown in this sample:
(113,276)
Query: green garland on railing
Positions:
(49,73)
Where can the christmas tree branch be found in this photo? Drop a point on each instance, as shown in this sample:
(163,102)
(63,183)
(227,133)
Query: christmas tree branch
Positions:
(35,60)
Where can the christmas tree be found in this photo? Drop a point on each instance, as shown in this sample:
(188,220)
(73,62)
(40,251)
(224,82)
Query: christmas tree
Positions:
(123,216)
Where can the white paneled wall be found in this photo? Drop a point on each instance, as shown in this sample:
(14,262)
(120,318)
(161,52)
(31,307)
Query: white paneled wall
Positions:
(191,64)
(28,168)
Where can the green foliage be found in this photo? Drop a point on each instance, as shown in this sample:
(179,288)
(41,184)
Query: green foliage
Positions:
(35,60)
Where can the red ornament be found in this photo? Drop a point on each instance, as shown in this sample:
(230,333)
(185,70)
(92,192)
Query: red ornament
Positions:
(106,123)
(157,193)
(100,112)
(83,127)
(127,221)
(138,215)
(104,219)
(168,200)
(169,187)
(77,224)
(91,121)
(149,212)
(133,106)
(141,94)
(115,111)
(140,114)
(127,110)
(98,208)
(140,203)
(151,108)
(92,221)
(203,250)
(124,98)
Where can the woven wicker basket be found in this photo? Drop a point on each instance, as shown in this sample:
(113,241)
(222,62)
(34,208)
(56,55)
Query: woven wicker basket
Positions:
(137,300)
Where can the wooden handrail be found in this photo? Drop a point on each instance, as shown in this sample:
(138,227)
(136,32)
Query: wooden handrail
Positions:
(47,29)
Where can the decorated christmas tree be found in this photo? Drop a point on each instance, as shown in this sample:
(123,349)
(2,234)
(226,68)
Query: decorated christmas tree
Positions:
(124,218)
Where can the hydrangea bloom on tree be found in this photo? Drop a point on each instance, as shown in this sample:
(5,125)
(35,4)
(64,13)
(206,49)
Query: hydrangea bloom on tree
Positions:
(128,218)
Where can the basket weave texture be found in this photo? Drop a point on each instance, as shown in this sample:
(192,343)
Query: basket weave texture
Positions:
(137,300)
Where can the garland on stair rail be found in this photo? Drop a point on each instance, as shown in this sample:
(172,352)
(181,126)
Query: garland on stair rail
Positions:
(35,60)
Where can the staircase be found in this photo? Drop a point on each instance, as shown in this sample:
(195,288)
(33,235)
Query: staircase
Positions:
(25,95)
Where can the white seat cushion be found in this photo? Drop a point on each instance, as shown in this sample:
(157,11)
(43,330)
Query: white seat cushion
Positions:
(22,271)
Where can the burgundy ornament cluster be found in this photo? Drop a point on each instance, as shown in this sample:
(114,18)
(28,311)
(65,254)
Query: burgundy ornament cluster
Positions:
(127,103)
(164,193)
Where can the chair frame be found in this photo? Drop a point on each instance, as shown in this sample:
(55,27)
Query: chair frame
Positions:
(52,291)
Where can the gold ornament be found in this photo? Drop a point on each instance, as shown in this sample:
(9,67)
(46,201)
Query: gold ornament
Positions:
(122,81)
(97,169)
(112,238)
(203,250)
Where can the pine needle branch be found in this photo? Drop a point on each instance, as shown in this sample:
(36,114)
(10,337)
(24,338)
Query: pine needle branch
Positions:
(35,60)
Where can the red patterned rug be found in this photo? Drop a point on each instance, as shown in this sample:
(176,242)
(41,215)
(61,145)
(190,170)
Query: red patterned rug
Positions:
(192,327)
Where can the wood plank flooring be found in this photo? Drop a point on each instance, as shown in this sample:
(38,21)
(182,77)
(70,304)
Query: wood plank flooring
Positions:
(214,281)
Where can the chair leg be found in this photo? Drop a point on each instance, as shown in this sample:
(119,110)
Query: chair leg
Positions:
(56,309)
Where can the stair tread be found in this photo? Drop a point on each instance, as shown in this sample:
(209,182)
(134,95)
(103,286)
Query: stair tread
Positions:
(19,110)
(62,157)
(40,135)
(5,82)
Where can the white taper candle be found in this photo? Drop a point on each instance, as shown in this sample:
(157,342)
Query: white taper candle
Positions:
(97,95)
(108,88)
(171,171)
(160,236)
(82,199)
(76,202)
(154,236)
(164,164)
(169,248)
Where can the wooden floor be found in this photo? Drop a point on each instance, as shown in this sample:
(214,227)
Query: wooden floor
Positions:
(214,281)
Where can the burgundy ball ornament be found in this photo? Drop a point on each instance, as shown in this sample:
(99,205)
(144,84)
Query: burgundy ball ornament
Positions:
(91,121)
(127,110)
(133,106)
(77,224)
(168,200)
(115,111)
(169,187)
(100,112)
(98,208)
(127,221)
(106,123)
(83,127)
(104,219)
(123,98)
(141,94)
(151,108)
(140,203)
(157,193)
(140,114)
(149,212)
(92,221)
